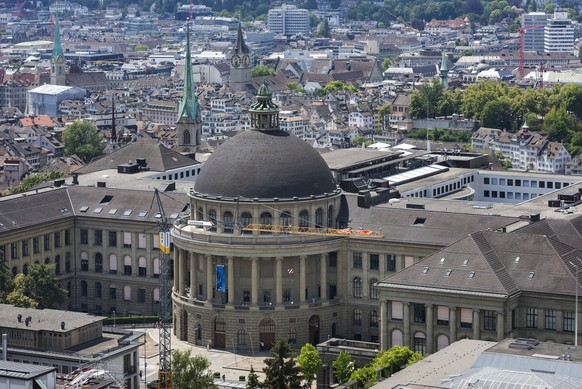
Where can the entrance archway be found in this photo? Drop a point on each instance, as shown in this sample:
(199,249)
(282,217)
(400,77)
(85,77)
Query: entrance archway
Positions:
(266,334)
(314,330)
(219,332)
(184,326)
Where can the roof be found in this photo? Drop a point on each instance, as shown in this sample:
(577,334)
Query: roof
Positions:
(25,371)
(158,157)
(48,89)
(44,319)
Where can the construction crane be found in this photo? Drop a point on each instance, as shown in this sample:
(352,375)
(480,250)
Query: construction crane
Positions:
(521,49)
(348,232)
(165,349)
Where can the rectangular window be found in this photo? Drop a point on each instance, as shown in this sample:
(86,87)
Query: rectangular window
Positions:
(494,181)
(509,182)
(141,295)
(526,183)
(531,317)
(127,239)
(486,193)
(333,259)
(84,264)
(408,261)
(98,237)
(569,321)
(13,251)
(25,247)
(57,239)
(466,318)
(486,180)
(112,238)
(47,242)
(419,345)
(542,184)
(534,184)
(84,236)
(442,315)
(141,240)
(286,295)
(517,182)
(67,237)
(357,260)
(550,185)
(419,313)
(35,245)
(397,310)
(502,181)
(391,262)
(112,293)
(550,319)
(374,262)
(489,321)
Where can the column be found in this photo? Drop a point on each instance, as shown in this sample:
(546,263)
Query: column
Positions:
(452,324)
(230,278)
(181,272)
(193,276)
(302,279)
(279,280)
(365,267)
(476,324)
(176,267)
(383,325)
(500,326)
(323,276)
(209,278)
(254,281)
(429,329)
(406,322)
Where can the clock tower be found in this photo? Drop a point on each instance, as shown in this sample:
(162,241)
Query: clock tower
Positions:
(240,64)
(58,62)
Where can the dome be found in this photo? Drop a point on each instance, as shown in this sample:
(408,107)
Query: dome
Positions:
(265,164)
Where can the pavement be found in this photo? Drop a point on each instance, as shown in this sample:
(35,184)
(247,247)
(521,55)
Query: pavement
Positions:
(231,365)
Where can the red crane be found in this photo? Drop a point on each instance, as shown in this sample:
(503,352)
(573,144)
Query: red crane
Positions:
(521,52)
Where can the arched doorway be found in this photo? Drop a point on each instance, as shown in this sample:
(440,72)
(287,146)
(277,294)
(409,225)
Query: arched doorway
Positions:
(184,326)
(266,334)
(219,332)
(314,330)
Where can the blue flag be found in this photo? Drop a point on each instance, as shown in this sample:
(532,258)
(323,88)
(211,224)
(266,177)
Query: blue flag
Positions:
(220,278)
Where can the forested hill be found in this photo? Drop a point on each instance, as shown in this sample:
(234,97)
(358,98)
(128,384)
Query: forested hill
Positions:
(414,11)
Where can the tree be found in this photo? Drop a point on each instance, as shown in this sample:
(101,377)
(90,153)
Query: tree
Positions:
(343,367)
(140,48)
(313,20)
(557,125)
(36,179)
(83,139)
(323,30)
(310,362)
(497,114)
(395,358)
(253,380)
(281,370)
(424,102)
(190,371)
(366,376)
(262,70)
(387,62)
(6,279)
(37,289)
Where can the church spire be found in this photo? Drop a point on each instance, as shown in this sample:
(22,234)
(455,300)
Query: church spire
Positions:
(57,48)
(58,63)
(444,71)
(240,46)
(189,104)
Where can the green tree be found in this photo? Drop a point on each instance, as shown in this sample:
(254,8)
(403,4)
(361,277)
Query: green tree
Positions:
(387,62)
(343,367)
(309,362)
(262,70)
(366,376)
(295,87)
(82,138)
(190,371)
(557,124)
(253,381)
(424,102)
(571,96)
(497,114)
(313,20)
(37,289)
(281,371)
(36,179)
(140,48)
(6,279)
(323,30)
(395,358)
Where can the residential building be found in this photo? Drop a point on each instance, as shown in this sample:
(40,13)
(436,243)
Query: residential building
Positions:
(559,34)
(534,24)
(288,20)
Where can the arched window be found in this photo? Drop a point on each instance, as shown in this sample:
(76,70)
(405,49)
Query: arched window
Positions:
(156,267)
(127,265)
(98,290)
(142,266)
(241,337)
(333,330)
(319,218)
(127,293)
(357,286)
(266,218)
(25,269)
(304,218)
(228,222)
(47,261)
(84,261)
(58,264)
(156,295)
(14,271)
(98,263)
(373,318)
(286,218)
(113,264)
(84,288)
(212,219)
(186,137)
(442,342)
(330,216)
(419,344)
(200,214)
(67,262)
(374,291)
(397,338)
(292,335)
(245,219)
(357,317)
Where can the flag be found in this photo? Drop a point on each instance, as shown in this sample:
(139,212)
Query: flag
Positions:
(290,271)
(220,278)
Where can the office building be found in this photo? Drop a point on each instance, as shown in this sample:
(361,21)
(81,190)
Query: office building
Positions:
(559,33)
(288,20)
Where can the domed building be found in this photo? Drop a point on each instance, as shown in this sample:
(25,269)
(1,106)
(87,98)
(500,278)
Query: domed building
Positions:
(240,288)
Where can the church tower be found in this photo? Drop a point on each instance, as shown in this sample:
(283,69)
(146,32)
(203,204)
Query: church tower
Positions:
(444,71)
(189,125)
(58,62)
(240,64)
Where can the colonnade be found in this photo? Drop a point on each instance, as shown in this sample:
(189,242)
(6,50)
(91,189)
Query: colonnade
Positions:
(185,261)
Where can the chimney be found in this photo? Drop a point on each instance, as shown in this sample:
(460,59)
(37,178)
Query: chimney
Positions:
(4,347)
(19,318)
(62,325)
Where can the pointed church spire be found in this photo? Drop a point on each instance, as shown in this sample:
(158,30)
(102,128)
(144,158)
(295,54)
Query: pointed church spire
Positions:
(444,71)
(240,46)
(57,49)
(189,104)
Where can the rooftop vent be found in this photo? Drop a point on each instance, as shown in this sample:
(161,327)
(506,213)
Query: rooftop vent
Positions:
(19,318)
(415,206)
(62,325)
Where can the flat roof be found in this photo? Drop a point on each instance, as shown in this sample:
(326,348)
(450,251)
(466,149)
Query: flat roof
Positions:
(44,319)
(25,371)
(48,89)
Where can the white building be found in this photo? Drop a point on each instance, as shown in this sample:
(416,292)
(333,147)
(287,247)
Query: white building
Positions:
(45,99)
(534,24)
(559,33)
(288,20)
(293,123)
(361,119)
(59,7)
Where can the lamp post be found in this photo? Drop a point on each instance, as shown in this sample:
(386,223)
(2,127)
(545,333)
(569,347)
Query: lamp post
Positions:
(576,312)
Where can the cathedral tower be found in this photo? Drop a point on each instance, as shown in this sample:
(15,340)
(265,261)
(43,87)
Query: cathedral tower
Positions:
(58,62)
(240,64)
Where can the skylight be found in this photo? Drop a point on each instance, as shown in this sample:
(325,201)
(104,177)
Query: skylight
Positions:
(127,212)
(98,210)
(531,274)
(471,274)
(517,259)
(106,199)
(443,260)
(84,209)
(419,221)
(448,272)
(113,211)
(425,270)
(465,262)
(142,213)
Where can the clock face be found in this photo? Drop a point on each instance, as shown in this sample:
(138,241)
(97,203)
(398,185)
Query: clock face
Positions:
(246,61)
(235,60)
